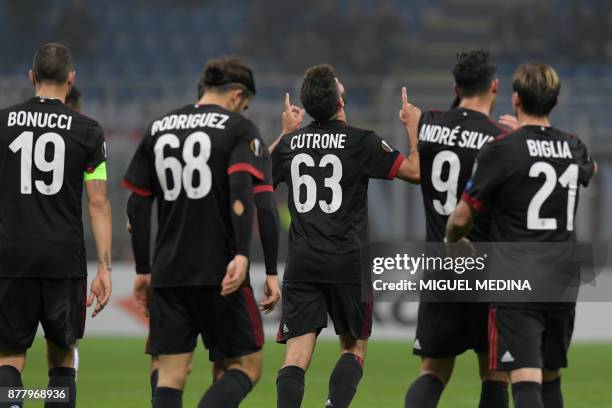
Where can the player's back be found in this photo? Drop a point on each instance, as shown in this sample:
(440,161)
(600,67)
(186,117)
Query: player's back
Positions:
(536,193)
(327,167)
(45,149)
(448,144)
(184,161)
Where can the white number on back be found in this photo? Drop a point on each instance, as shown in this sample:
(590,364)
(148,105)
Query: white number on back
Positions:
(184,176)
(333,183)
(569,180)
(25,143)
(448,186)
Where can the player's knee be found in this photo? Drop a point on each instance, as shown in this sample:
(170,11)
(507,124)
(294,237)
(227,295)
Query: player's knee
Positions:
(441,368)
(499,376)
(298,357)
(526,374)
(174,377)
(550,375)
(59,357)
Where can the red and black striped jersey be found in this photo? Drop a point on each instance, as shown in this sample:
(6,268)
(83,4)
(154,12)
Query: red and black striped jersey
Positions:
(184,162)
(327,167)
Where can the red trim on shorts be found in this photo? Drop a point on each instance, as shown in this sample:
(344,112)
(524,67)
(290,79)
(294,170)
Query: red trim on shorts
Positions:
(396,165)
(254,316)
(473,202)
(246,167)
(138,190)
(264,188)
(367,321)
(493,338)
(279,334)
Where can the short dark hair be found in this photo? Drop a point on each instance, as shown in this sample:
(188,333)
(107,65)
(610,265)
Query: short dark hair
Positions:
(538,87)
(319,92)
(225,74)
(474,71)
(73,99)
(52,63)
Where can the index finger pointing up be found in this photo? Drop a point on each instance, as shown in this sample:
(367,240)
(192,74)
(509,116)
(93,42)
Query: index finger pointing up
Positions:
(287,102)
(404,96)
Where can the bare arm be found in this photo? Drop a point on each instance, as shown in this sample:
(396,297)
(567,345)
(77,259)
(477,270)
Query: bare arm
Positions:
(101,222)
(410,116)
(460,222)
(291,117)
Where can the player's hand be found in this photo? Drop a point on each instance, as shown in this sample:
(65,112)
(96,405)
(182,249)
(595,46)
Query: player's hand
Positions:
(142,292)
(509,121)
(292,116)
(272,294)
(461,249)
(409,115)
(128,226)
(235,275)
(101,289)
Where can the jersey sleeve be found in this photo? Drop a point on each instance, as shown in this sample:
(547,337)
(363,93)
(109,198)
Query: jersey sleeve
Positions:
(265,185)
(488,174)
(380,160)
(139,176)
(97,149)
(277,165)
(248,154)
(586,165)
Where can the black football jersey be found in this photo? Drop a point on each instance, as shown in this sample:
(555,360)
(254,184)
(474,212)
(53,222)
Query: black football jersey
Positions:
(529,179)
(45,149)
(327,167)
(448,144)
(184,162)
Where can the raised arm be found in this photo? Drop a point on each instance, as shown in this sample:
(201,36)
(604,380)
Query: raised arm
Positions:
(410,115)
(291,118)
(101,222)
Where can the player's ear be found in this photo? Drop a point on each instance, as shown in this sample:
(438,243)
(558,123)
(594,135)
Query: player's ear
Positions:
(495,86)
(516,101)
(32,77)
(71,78)
(456,89)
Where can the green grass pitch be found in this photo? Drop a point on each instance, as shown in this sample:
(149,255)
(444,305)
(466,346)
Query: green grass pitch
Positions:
(113,373)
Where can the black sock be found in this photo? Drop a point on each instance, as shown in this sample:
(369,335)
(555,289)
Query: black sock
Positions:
(290,387)
(343,381)
(551,394)
(494,394)
(228,391)
(10,377)
(153,380)
(63,377)
(166,397)
(527,394)
(425,392)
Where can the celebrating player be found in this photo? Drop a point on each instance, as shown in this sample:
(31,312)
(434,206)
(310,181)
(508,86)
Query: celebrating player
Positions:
(267,218)
(327,166)
(449,143)
(533,193)
(47,152)
(199,163)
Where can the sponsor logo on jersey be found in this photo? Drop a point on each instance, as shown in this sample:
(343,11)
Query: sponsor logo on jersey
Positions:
(386,147)
(507,358)
(256,147)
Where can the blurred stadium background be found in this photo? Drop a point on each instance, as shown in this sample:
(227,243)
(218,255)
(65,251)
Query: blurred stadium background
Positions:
(137,59)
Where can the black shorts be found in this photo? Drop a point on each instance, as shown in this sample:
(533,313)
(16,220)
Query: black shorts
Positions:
(57,304)
(306,306)
(529,338)
(448,329)
(178,315)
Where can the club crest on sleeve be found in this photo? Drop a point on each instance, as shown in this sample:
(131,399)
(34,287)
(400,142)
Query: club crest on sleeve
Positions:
(256,147)
(386,147)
